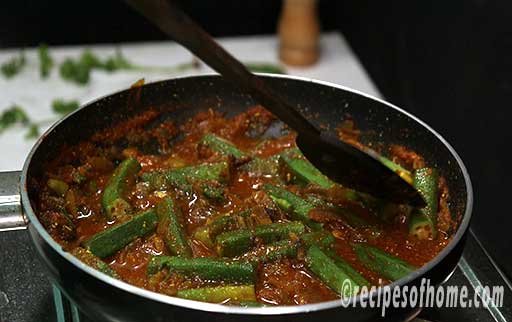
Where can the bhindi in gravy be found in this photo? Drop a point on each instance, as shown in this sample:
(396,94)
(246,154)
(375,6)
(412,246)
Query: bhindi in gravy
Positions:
(224,214)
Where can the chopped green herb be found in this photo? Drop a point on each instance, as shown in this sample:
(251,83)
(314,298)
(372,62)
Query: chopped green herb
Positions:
(265,68)
(117,62)
(71,70)
(213,193)
(45,61)
(11,116)
(64,107)
(16,115)
(90,60)
(79,70)
(13,66)
(33,131)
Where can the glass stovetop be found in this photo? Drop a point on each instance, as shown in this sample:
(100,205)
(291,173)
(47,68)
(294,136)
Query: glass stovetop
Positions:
(26,294)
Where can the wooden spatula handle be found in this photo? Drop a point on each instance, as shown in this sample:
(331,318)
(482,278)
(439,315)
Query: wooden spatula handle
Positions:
(176,24)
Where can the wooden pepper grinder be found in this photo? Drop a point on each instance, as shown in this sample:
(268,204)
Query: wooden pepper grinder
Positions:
(298,32)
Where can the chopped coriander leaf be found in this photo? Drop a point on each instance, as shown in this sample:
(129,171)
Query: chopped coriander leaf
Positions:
(11,116)
(73,71)
(64,107)
(13,66)
(265,68)
(33,131)
(79,70)
(45,61)
(90,60)
(117,62)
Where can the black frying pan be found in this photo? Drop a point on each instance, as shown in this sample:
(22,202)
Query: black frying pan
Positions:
(104,298)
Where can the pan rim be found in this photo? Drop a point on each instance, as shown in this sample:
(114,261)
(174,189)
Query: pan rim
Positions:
(218,308)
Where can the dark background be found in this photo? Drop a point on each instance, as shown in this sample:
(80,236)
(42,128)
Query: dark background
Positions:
(448,62)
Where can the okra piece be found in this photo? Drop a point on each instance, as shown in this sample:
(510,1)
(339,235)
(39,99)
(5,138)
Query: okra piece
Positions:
(318,202)
(345,266)
(294,205)
(271,252)
(278,250)
(256,216)
(58,186)
(269,166)
(213,193)
(109,241)
(209,232)
(322,202)
(114,195)
(95,262)
(387,265)
(329,273)
(302,172)
(353,219)
(263,167)
(169,225)
(205,267)
(322,238)
(223,146)
(220,294)
(423,222)
(234,243)
(184,177)
(398,169)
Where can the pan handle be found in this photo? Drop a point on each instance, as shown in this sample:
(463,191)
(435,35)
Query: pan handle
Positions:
(11,216)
